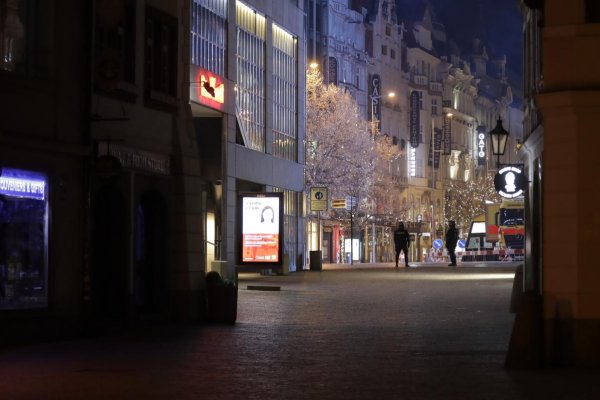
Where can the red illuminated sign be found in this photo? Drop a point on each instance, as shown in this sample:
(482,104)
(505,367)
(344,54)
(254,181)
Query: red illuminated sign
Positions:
(210,89)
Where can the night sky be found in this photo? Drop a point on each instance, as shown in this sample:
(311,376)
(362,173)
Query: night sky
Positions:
(500,22)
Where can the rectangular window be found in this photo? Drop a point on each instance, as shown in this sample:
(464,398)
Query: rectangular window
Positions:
(24,233)
(114,45)
(434,106)
(369,42)
(160,53)
(25,36)
(250,89)
(285,90)
(291,210)
(384,50)
(209,35)
(392,54)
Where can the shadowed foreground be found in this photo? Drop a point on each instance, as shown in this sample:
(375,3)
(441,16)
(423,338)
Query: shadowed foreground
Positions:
(365,333)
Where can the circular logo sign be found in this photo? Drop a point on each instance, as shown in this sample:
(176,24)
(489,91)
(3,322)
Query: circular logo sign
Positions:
(510,182)
(438,243)
(462,243)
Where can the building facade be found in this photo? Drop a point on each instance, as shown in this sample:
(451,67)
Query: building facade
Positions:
(119,195)
(246,102)
(44,139)
(561,105)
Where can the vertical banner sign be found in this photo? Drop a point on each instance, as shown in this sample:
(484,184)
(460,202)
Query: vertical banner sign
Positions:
(447,135)
(437,146)
(431,152)
(260,221)
(375,97)
(415,120)
(481,145)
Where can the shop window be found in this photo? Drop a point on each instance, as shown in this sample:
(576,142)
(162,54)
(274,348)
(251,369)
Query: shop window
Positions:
(24,233)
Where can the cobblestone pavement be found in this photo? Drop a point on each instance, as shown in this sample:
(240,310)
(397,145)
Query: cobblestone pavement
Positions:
(353,333)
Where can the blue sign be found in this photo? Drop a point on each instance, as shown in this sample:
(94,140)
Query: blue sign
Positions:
(25,184)
(438,243)
(462,243)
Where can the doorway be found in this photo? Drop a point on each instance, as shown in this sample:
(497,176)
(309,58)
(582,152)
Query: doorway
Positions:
(151,248)
(109,255)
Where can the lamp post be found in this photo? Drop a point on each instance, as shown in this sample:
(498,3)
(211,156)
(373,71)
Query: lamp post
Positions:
(499,138)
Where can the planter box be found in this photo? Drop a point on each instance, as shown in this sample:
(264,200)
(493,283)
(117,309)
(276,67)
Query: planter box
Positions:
(222,304)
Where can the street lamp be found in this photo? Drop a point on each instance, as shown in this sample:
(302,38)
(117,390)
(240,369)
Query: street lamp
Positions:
(499,138)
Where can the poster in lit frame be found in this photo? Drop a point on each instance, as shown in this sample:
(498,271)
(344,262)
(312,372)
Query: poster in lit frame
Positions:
(260,228)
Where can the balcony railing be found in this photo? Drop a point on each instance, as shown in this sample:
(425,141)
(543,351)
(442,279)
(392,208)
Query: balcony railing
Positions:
(435,87)
(420,80)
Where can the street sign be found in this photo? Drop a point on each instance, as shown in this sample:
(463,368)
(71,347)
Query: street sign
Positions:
(338,203)
(318,199)
(437,244)
(351,202)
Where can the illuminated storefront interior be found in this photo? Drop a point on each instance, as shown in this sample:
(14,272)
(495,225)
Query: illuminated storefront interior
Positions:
(24,244)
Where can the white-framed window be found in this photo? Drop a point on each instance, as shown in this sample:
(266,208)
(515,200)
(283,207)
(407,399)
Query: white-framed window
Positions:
(250,87)
(285,90)
(209,34)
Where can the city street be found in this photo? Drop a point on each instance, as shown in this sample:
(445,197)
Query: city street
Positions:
(349,332)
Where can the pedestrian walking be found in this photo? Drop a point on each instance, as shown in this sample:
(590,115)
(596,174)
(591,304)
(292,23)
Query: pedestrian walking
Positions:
(401,243)
(451,241)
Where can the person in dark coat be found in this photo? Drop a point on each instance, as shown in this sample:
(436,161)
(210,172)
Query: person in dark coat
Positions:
(401,242)
(451,241)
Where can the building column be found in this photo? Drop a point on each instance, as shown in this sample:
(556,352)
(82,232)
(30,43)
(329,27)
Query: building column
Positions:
(571,229)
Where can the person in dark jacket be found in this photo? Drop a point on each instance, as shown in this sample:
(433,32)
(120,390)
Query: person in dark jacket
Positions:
(401,243)
(451,241)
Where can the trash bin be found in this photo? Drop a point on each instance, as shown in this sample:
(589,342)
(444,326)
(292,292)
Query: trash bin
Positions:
(316,260)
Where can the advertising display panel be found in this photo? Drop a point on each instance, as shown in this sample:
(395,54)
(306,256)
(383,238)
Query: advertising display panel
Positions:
(260,222)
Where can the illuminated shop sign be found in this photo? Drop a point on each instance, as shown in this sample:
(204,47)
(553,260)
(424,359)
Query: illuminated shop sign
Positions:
(209,89)
(18,183)
(261,230)
(481,145)
(510,182)
(375,105)
(412,161)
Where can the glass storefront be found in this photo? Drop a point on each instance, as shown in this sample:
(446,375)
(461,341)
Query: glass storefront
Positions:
(23,239)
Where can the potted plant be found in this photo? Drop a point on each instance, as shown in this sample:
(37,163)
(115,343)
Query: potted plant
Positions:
(221,298)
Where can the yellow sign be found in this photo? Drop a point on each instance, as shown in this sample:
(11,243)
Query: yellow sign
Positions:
(338,203)
(318,199)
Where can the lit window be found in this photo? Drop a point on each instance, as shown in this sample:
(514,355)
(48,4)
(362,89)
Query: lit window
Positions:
(24,233)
